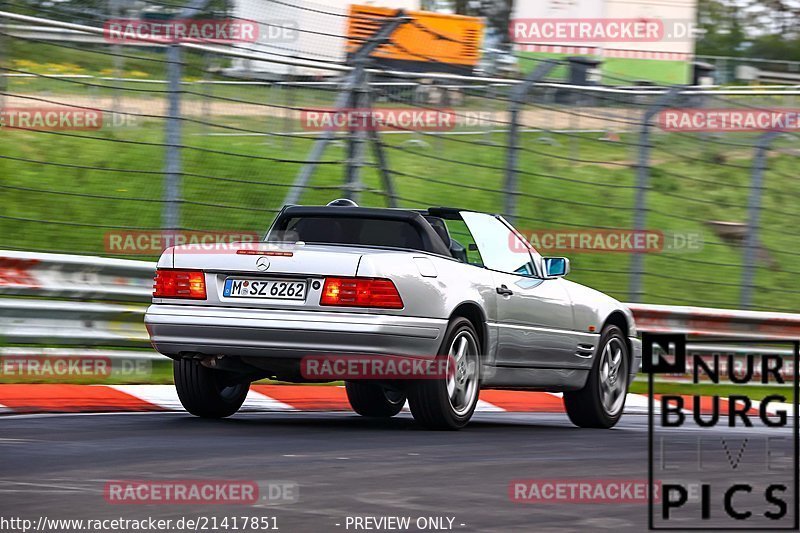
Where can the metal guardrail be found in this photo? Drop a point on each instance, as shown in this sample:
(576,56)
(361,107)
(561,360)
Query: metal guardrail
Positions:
(75,277)
(66,353)
(68,300)
(50,322)
(58,307)
(710,323)
(705,324)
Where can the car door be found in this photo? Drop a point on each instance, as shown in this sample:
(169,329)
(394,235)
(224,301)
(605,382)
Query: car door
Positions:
(535,323)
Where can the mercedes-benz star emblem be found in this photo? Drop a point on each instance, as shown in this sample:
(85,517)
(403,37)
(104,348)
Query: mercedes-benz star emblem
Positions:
(262,263)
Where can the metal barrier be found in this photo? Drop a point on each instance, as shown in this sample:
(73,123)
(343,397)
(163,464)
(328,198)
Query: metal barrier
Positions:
(57,309)
(51,322)
(707,322)
(75,277)
(47,300)
(704,323)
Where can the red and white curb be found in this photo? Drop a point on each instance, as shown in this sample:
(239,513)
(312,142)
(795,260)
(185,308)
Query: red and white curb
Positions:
(57,398)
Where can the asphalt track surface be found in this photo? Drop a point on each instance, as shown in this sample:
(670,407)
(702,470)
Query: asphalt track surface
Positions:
(57,466)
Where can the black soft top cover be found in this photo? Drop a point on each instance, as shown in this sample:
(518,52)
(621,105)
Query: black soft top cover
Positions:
(367,226)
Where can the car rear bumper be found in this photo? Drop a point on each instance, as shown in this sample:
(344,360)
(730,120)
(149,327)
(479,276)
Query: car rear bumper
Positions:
(176,329)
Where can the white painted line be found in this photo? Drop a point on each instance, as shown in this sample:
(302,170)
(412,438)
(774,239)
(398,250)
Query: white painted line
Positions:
(637,404)
(774,407)
(482,407)
(486,407)
(256,401)
(163,396)
(166,397)
(45,488)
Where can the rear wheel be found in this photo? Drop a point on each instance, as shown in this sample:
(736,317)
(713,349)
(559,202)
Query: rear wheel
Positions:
(203,391)
(601,401)
(369,399)
(449,403)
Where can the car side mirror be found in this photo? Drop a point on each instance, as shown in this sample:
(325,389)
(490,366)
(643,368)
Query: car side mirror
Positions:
(556,267)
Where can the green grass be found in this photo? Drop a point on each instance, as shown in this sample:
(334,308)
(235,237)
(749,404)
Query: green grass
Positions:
(94,59)
(659,72)
(618,70)
(754,392)
(241,194)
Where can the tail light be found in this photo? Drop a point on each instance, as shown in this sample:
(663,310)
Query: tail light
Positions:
(180,284)
(361,292)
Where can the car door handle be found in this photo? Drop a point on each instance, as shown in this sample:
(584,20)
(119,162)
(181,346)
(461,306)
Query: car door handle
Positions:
(505,291)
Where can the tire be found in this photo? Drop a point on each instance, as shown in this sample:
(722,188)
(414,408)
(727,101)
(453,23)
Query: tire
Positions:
(368,399)
(449,403)
(202,393)
(601,401)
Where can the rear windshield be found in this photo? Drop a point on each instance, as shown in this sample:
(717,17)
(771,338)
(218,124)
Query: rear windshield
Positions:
(347,230)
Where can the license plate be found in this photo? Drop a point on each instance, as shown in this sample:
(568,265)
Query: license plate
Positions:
(269,289)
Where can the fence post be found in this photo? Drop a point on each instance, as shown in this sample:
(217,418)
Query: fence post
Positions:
(356,138)
(380,159)
(172,166)
(360,60)
(642,184)
(750,258)
(208,92)
(117,60)
(288,109)
(4,60)
(171,215)
(518,95)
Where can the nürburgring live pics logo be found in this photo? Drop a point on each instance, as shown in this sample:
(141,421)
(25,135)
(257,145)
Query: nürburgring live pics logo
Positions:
(723,461)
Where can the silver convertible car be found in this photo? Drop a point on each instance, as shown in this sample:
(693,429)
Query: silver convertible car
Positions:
(458,286)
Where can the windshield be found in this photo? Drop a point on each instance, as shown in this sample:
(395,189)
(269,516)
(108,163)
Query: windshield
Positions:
(500,247)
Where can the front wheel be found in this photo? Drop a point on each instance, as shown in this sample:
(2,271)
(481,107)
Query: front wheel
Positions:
(448,403)
(369,399)
(601,401)
(204,393)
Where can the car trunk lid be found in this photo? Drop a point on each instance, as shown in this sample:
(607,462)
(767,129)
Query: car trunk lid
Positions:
(269,258)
